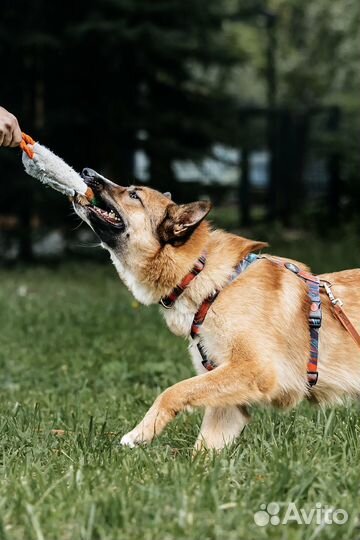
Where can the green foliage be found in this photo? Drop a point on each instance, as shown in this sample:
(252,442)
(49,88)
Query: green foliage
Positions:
(319,58)
(317,52)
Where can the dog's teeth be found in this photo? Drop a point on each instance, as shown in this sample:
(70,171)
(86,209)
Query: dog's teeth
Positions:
(109,215)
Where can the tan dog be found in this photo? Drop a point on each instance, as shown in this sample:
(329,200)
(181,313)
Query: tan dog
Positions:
(256,330)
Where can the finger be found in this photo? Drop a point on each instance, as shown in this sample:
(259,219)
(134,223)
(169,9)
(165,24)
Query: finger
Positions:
(1,137)
(7,137)
(16,136)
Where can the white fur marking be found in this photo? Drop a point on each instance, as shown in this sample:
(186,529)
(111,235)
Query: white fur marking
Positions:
(141,292)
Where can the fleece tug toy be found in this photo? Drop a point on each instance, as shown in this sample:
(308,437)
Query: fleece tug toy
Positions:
(44,165)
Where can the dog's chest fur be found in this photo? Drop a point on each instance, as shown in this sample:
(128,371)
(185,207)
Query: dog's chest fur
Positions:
(179,318)
(141,292)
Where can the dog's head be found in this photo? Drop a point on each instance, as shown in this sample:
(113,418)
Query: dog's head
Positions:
(136,218)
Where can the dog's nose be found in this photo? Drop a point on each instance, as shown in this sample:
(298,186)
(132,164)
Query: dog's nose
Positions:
(96,180)
(88,174)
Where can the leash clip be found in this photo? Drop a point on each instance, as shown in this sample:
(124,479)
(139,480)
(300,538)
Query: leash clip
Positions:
(333,300)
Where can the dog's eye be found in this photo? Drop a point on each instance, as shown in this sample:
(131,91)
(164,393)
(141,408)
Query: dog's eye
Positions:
(133,195)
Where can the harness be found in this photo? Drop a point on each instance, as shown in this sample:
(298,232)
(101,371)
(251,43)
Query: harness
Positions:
(168,301)
(314,284)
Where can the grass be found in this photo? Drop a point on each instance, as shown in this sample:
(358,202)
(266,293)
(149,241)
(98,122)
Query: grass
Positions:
(78,354)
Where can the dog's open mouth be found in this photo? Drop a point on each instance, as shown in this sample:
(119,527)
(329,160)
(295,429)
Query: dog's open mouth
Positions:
(104,212)
(100,211)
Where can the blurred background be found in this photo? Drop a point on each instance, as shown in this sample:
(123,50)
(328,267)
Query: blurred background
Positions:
(254,104)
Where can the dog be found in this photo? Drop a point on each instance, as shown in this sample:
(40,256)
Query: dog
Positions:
(256,330)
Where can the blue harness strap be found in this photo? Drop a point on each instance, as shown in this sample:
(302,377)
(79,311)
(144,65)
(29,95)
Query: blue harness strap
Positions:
(243,265)
(315,316)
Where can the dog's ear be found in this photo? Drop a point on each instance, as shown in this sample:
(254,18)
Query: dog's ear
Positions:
(167,194)
(181,220)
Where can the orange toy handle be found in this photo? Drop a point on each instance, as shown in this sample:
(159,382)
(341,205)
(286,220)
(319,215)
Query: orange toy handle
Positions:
(26,139)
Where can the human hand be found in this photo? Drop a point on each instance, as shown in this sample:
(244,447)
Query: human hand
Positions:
(10,132)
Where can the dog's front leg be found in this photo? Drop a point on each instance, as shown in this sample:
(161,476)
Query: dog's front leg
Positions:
(151,425)
(227,385)
(221,426)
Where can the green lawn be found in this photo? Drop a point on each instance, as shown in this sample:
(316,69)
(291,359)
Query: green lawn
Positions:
(78,354)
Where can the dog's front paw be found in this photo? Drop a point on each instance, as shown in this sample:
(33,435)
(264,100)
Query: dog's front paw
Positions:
(134,438)
(128,440)
(150,427)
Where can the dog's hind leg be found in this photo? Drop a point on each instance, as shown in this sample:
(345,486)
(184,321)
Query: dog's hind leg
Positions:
(221,426)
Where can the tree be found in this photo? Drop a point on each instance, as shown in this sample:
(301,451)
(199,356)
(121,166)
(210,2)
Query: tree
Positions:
(317,58)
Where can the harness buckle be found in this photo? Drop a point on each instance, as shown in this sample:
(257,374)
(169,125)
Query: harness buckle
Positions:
(312,377)
(315,320)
